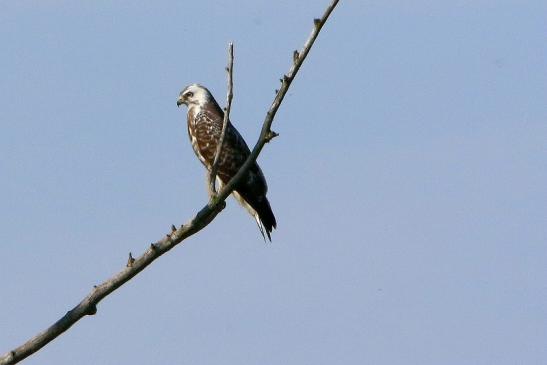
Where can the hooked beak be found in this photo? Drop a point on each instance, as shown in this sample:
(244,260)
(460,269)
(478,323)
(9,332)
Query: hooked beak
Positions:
(180,101)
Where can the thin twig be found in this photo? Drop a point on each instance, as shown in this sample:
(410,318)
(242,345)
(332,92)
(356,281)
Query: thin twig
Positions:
(229,97)
(88,306)
(266,134)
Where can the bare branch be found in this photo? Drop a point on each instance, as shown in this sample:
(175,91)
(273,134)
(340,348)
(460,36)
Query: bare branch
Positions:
(286,81)
(88,306)
(229,96)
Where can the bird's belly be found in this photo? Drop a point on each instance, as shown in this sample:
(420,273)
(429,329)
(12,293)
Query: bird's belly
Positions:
(195,147)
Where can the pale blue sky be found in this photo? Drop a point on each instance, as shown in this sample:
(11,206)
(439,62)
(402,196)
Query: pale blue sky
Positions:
(409,182)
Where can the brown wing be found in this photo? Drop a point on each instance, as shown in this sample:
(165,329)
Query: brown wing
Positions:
(252,189)
(205,130)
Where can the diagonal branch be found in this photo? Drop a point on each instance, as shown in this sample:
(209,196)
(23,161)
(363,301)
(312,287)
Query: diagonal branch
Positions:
(266,134)
(88,306)
(229,97)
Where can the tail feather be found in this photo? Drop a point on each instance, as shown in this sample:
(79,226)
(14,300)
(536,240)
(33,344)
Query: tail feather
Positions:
(260,209)
(265,215)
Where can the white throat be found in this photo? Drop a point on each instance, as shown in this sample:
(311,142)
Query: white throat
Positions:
(193,111)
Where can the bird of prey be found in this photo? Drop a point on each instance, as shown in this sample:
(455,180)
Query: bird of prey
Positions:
(205,119)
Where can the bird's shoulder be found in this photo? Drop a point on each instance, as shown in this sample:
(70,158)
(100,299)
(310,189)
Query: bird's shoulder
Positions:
(209,113)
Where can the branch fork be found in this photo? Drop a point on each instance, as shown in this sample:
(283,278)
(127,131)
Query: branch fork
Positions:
(88,306)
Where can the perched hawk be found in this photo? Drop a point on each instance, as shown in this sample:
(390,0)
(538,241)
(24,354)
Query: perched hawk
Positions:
(205,119)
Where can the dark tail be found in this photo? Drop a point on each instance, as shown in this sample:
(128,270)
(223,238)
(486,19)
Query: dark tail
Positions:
(259,207)
(266,219)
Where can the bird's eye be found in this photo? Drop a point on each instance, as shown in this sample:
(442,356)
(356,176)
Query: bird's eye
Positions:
(189,94)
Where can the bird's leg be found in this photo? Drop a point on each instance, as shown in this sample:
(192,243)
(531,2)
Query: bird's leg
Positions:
(211,186)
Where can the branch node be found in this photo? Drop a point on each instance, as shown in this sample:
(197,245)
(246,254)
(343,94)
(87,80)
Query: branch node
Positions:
(91,310)
(153,246)
(217,203)
(295,56)
(130,260)
(316,22)
(173,228)
(270,135)
(276,91)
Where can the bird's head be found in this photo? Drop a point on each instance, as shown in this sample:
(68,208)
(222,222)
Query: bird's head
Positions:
(194,94)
